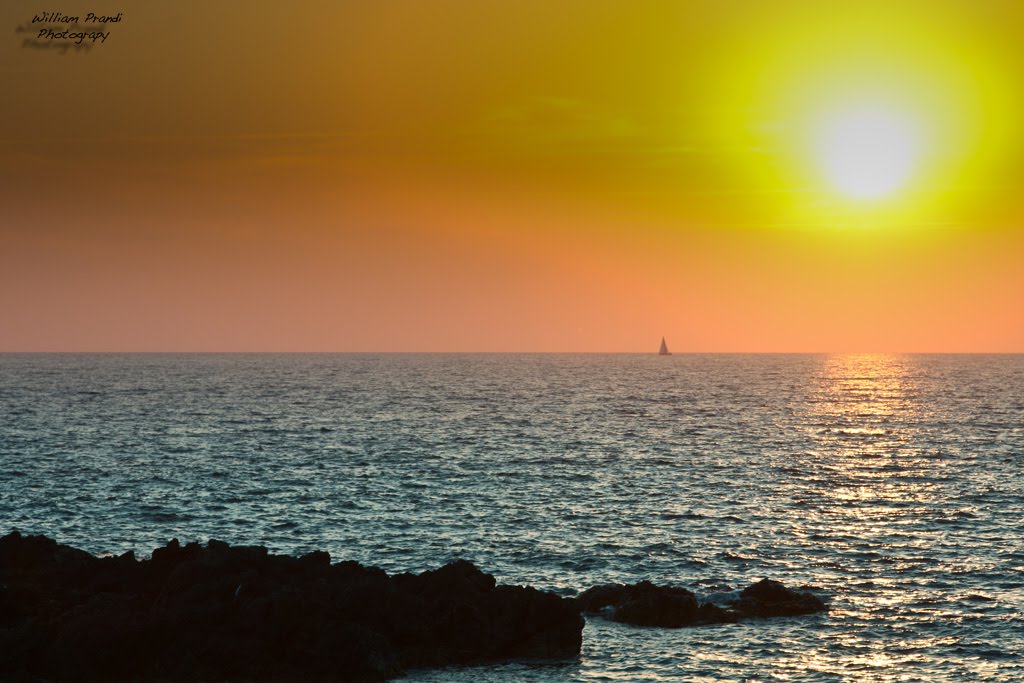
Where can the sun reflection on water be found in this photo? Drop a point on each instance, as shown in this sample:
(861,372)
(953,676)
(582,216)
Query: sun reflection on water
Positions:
(864,496)
(863,415)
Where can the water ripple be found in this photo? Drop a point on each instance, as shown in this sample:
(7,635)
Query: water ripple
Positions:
(891,484)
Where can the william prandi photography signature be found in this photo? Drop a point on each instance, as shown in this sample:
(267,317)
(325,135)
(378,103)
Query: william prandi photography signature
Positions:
(63,32)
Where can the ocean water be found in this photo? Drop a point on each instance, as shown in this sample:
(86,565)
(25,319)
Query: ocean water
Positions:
(892,485)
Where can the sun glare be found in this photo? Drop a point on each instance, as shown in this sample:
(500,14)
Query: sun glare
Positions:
(831,119)
(867,153)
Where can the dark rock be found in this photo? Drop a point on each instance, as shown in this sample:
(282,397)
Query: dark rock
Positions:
(223,613)
(646,604)
(317,557)
(768,598)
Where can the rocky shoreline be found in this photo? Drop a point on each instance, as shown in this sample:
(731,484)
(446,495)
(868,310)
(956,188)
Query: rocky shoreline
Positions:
(238,613)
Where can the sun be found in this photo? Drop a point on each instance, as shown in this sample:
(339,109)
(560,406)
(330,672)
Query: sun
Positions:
(869,152)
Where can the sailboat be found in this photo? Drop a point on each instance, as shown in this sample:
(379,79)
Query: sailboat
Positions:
(663,351)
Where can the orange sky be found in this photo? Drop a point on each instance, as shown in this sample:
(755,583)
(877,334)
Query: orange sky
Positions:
(527,176)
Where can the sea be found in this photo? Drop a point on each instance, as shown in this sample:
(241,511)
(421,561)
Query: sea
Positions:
(890,485)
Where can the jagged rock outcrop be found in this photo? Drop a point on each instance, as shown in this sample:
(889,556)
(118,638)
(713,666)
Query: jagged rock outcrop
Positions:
(647,604)
(221,613)
(224,613)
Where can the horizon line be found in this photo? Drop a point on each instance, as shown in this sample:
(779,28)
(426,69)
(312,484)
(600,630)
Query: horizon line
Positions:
(464,352)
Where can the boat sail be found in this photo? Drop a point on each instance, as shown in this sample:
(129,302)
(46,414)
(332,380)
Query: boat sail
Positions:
(663,351)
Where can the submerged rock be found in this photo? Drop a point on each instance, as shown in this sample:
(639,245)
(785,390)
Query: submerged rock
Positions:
(647,604)
(221,613)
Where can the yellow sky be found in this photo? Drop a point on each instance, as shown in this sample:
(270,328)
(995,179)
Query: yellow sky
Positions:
(508,176)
